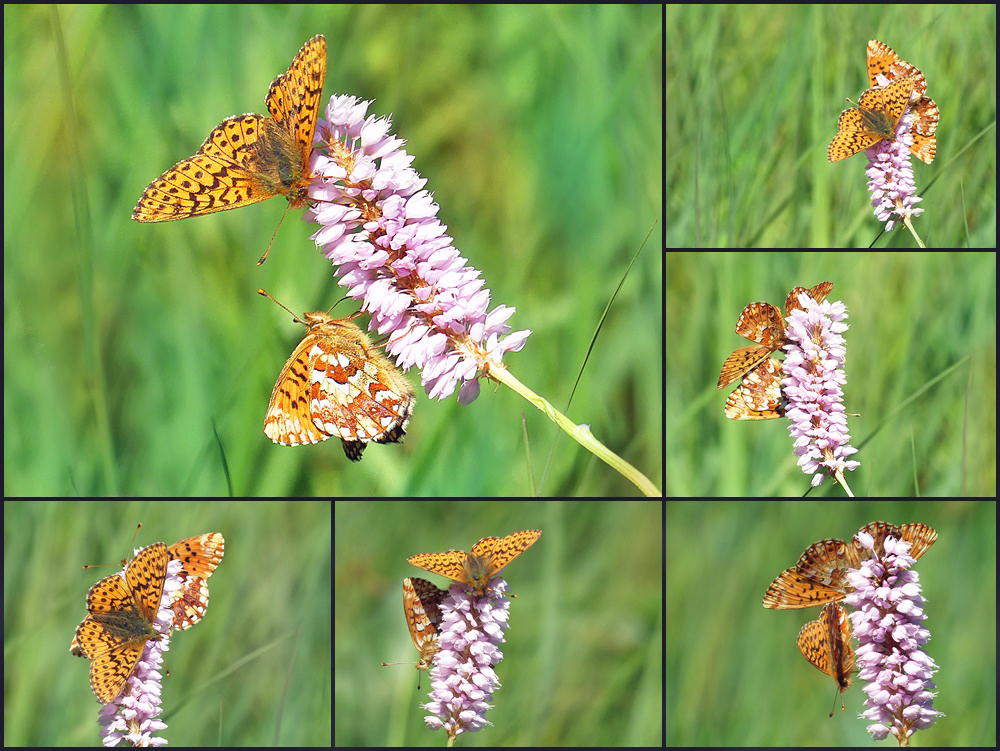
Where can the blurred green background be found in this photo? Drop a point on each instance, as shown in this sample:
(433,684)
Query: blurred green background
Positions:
(539,131)
(921,371)
(583,655)
(753,96)
(734,676)
(253,672)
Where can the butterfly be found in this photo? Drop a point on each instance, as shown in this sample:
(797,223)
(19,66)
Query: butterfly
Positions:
(476,568)
(875,118)
(199,557)
(763,323)
(826,643)
(121,620)
(821,572)
(422,610)
(248,158)
(336,384)
(884,67)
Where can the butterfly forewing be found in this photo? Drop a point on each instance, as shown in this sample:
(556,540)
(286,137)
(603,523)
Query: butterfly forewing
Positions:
(919,536)
(741,362)
(884,67)
(820,576)
(294,97)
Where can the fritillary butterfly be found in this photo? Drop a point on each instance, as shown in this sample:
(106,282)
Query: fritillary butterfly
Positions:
(762,322)
(422,609)
(758,397)
(817,293)
(821,573)
(826,643)
(884,67)
(337,384)
(488,556)
(199,557)
(122,612)
(873,120)
(248,158)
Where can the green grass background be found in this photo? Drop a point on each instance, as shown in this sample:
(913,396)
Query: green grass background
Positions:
(734,676)
(139,358)
(921,371)
(583,656)
(255,671)
(753,94)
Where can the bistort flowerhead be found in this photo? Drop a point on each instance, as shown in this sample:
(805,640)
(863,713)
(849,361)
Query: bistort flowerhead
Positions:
(887,621)
(890,176)
(814,377)
(462,678)
(380,229)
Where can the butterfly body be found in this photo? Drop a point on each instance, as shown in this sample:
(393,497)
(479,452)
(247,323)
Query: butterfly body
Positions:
(826,643)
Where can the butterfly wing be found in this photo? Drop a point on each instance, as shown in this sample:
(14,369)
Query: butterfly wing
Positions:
(294,97)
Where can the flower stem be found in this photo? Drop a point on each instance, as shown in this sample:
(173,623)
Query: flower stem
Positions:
(579,433)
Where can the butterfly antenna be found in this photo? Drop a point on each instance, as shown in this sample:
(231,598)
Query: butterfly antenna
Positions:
(263,293)
(98,565)
(387,664)
(264,257)
(839,691)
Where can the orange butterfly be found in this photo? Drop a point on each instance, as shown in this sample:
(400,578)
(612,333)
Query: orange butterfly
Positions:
(875,118)
(884,67)
(821,573)
(826,643)
(248,158)
(422,609)
(488,556)
(763,323)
